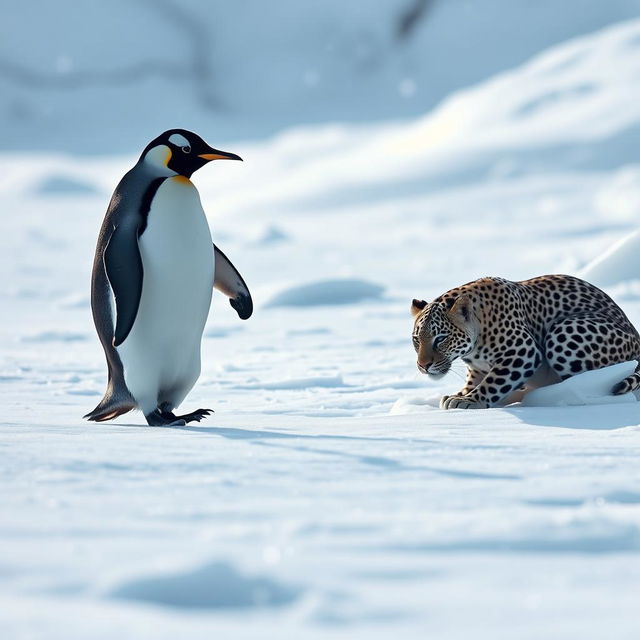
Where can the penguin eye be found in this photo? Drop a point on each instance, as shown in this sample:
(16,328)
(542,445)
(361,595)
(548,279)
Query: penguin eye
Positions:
(186,149)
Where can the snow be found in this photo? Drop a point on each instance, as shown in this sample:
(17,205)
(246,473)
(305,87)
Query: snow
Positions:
(329,496)
(326,292)
(590,387)
(619,263)
(213,586)
(63,185)
(111,75)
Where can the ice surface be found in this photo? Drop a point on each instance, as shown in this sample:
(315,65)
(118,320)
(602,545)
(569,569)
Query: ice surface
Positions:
(328,497)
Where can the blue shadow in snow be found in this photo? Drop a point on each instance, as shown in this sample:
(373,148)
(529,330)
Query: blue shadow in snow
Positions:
(265,439)
(595,417)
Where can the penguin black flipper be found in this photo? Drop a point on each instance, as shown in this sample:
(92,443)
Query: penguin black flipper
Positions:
(229,281)
(123,265)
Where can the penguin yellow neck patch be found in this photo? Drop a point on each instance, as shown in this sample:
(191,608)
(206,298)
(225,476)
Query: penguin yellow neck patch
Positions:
(182,180)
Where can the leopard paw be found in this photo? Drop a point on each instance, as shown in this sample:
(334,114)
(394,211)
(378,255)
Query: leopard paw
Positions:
(461,402)
(443,401)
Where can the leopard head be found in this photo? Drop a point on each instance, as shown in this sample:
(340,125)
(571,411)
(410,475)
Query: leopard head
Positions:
(442,332)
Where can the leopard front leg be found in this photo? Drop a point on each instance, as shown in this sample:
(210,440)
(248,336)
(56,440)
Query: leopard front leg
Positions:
(508,373)
(474,377)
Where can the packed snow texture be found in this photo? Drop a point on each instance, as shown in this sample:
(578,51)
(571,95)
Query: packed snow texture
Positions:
(328,496)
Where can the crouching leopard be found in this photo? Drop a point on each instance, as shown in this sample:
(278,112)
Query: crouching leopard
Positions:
(514,336)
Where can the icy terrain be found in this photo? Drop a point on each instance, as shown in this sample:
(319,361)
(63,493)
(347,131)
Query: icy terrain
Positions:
(327,497)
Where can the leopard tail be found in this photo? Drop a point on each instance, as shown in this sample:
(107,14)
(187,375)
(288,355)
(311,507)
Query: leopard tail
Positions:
(630,383)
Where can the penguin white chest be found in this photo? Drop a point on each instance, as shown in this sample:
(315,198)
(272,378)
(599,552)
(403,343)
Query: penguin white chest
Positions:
(161,355)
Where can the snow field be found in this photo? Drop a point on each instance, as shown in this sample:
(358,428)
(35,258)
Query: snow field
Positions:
(328,497)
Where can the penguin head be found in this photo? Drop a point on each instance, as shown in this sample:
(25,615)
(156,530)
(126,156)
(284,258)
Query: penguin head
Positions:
(182,152)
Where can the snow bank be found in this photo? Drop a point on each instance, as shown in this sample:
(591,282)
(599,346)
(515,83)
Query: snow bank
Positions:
(329,382)
(415,404)
(618,264)
(64,186)
(583,92)
(327,292)
(590,387)
(92,84)
(574,107)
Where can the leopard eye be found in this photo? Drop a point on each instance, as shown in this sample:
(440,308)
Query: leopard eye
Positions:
(186,149)
(416,343)
(437,341)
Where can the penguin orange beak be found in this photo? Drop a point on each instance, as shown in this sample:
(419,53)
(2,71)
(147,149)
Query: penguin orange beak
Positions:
(219,155)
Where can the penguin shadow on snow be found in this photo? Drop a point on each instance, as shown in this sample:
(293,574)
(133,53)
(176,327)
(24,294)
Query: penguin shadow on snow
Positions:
(277,439)
(266,438)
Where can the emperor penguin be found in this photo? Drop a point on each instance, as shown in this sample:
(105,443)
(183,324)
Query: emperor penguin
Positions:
(154,271)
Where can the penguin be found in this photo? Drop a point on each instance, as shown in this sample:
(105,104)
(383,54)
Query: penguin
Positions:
(153,276)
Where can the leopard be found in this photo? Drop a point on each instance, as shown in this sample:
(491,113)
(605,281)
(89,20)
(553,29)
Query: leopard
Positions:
(514,336)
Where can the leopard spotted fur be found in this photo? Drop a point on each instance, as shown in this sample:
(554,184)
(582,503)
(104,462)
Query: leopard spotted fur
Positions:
(518,335)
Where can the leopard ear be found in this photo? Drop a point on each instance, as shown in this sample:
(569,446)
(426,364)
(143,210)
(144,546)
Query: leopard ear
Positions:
(460,311)
(417,306)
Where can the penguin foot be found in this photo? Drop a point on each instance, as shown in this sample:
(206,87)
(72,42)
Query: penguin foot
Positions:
(159,418)
(194,416)
(197,415)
